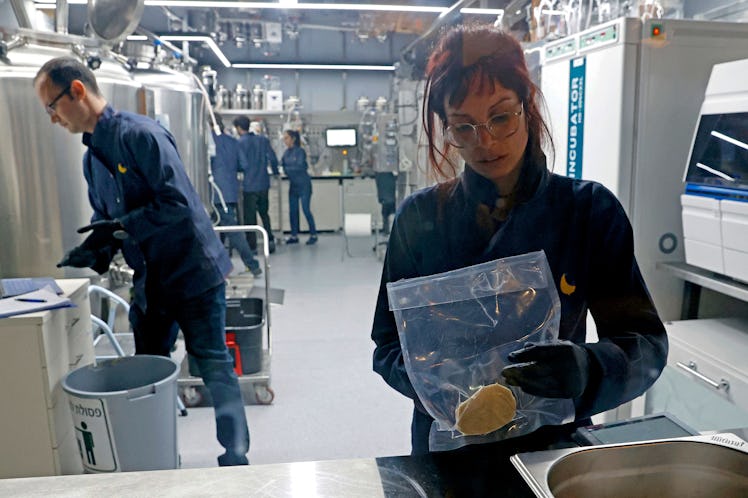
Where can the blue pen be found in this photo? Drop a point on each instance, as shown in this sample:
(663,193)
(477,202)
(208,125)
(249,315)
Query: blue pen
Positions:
(30,300)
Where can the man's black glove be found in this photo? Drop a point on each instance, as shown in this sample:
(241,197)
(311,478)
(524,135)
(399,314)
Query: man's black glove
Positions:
(103,233)
(556,370)
(79,257)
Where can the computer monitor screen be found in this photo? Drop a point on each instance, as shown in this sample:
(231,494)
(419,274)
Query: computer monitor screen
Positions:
(340,137)
(719,157)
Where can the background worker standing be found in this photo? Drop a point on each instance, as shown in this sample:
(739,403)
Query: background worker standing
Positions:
(145,205)
(225,166)
(258,153)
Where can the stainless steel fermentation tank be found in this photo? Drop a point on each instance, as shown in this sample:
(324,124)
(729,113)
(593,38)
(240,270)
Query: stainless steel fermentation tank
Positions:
(43,195)
(175,101)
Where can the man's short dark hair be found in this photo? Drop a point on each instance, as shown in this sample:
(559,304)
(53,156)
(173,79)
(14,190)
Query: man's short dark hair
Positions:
(242,122)
(63,70)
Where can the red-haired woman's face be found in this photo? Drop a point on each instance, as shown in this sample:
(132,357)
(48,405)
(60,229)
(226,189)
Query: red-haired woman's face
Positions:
(498,159)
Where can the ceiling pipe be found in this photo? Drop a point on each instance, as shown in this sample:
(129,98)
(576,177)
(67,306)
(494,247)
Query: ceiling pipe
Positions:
(7,46)
(152,36)
(443,19)
(61,16)
(22,14)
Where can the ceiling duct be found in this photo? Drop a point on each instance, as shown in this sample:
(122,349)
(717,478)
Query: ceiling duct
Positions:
(61,16)
(414,55)
(21,11)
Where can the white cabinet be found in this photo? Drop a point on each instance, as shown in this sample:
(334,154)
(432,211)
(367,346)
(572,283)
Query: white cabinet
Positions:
(36,352)
(716,234)
(706,381)
(325,206)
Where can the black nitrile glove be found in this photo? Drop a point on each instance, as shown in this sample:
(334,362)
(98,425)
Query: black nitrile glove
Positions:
(103,233)
(555,370)
(79,257)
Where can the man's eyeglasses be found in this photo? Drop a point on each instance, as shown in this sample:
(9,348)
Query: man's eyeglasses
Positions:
(499,126)
(51,106)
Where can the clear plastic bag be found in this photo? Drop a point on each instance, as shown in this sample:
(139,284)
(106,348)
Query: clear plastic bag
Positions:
(456,330)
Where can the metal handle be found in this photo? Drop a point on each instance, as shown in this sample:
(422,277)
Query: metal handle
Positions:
(266,254)
(692,369)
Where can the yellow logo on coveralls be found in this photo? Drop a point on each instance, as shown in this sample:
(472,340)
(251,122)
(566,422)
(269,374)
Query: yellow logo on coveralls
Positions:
(566,287)
(121,168)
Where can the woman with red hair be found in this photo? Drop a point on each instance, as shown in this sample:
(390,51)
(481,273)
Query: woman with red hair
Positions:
(482,109)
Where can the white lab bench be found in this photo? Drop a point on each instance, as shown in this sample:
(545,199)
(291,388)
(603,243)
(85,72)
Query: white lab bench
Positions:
(332,197)
(37,350)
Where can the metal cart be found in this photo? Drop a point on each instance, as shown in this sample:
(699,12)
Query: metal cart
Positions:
(192,388)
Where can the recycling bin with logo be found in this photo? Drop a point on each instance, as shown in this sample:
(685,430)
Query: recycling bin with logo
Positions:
(124,413)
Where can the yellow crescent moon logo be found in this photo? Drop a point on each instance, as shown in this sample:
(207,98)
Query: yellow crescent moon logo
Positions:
(567,288)
(121,168)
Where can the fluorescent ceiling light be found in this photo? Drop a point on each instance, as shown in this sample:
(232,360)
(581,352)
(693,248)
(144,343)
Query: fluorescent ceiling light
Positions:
(137,38)
(200,38)
(338,67)
(731,140)
(286,5)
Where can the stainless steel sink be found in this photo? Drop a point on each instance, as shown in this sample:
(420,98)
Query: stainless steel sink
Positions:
(698,466)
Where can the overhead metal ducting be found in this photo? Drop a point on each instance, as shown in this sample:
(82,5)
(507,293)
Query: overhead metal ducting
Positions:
(112,20)
(413,56)
(21,11)
(61,16)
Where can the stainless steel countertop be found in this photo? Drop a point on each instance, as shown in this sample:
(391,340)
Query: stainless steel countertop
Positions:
(349,478)
(402,477)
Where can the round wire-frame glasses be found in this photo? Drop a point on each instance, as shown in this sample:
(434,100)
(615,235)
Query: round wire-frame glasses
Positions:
(499,126)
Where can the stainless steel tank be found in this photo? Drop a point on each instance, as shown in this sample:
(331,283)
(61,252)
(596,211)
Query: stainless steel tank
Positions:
(179,106)
(223,98)
(43,195)
(241,97)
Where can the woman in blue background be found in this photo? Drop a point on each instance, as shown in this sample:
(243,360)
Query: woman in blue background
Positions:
(300,189)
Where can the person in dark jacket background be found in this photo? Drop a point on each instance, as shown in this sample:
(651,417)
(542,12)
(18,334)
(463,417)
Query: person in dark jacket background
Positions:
(481,100)
(300,186)
(256,184)
(144,204)
(225,167)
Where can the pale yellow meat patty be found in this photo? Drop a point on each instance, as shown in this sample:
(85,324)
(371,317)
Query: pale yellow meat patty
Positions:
(490,408)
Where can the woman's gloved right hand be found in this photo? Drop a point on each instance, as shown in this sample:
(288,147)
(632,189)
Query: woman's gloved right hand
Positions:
(552,370)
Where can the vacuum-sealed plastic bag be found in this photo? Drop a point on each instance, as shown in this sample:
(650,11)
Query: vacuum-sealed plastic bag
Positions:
(456,330)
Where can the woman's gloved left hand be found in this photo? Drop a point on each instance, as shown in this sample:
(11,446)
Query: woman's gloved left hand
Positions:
(552,370)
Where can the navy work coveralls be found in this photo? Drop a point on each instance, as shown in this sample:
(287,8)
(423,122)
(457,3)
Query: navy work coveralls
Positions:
(258,153)
(135,175)
(299,189)
(588,241)
(225,166)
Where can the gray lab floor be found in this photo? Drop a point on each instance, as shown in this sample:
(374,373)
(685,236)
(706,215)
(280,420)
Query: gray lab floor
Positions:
(329,404)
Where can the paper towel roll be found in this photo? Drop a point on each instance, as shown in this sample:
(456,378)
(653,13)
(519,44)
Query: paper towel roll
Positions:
(357,225)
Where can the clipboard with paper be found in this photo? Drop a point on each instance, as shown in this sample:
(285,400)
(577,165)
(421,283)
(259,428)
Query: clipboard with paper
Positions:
(30,302)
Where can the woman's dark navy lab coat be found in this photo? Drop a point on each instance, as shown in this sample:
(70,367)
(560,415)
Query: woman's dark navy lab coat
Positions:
(588,241)
(135,175)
